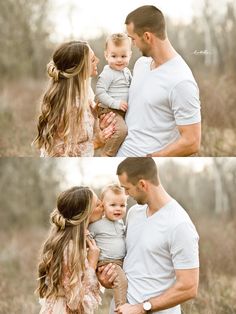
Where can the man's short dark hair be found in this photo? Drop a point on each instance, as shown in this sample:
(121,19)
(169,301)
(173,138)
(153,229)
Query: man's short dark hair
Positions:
(148,18)
(138,168)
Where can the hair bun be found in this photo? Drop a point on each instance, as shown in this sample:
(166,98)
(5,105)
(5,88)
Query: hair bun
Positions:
(58,219)
(53,71)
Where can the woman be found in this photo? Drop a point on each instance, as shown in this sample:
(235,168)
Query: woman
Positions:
(68,125)
(66,271)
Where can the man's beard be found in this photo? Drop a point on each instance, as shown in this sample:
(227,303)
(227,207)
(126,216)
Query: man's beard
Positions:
(145,53)
(140,201)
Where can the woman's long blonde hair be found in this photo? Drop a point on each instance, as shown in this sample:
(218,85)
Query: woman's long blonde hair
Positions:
(69,222)
(69,71)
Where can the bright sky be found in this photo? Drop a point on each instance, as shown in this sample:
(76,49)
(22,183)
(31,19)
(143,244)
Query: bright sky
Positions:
(90,18)
(101,171)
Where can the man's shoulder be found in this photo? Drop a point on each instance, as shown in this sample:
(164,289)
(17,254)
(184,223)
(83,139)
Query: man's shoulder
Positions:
(177,214)
(143,61)
(180,70)
(137,207)
(134,210)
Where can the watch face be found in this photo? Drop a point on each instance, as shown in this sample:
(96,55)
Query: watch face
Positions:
(147,306)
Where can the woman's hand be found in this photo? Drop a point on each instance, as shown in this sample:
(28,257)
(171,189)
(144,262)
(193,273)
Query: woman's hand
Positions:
(106,120)
(93,252)
(107,126)
(107,133)
(106,275)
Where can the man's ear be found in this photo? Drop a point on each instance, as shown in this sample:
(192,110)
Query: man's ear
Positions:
(147,36)
(142,184)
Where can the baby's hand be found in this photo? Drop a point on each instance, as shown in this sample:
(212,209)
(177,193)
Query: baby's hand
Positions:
(123,105)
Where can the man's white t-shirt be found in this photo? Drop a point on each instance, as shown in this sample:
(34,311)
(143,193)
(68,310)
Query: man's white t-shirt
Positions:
(159,100)
(156,246)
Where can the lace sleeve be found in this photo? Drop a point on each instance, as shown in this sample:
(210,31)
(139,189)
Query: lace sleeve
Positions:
(92,296)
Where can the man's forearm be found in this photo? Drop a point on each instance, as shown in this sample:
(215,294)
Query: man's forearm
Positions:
(181,147)
(187,144)
(175,295)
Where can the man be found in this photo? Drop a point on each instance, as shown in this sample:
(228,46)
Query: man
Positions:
(162,263)
(163,116)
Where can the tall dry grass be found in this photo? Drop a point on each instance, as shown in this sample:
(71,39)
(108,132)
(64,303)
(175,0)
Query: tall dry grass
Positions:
(217,290)
(19,105)
(218,104)
(18,257)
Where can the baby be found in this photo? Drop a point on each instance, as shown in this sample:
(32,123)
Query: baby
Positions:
(109,234)
(113,88)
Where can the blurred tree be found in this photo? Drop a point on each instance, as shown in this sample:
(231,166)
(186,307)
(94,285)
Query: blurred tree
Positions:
(209,191)
(28,191)
(24,37)
(225,182)
(30,186)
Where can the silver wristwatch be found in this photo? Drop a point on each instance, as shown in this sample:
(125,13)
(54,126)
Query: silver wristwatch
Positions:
(147,306)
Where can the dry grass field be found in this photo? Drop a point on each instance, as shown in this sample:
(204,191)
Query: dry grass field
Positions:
(19,105)
(18,260)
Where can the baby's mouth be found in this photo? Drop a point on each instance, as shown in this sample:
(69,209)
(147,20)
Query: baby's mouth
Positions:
(117,214)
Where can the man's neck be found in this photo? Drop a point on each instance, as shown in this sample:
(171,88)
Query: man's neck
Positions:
(157,198)
(162,52)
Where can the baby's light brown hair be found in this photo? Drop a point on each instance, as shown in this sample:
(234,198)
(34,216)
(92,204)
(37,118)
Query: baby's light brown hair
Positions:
(115,188)
(117,39)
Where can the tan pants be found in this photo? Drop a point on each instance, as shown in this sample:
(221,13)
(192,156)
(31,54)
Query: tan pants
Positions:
(113,143)
(120,284)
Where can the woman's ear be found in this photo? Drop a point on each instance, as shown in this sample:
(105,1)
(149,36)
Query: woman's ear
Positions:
(106,54)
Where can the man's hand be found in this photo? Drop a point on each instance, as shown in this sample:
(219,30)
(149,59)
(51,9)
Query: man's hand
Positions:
(130,309)
(123,105)
(106,275)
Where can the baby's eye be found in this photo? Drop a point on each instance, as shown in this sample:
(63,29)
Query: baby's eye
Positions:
(113,205)
(122,205)
(124,56)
